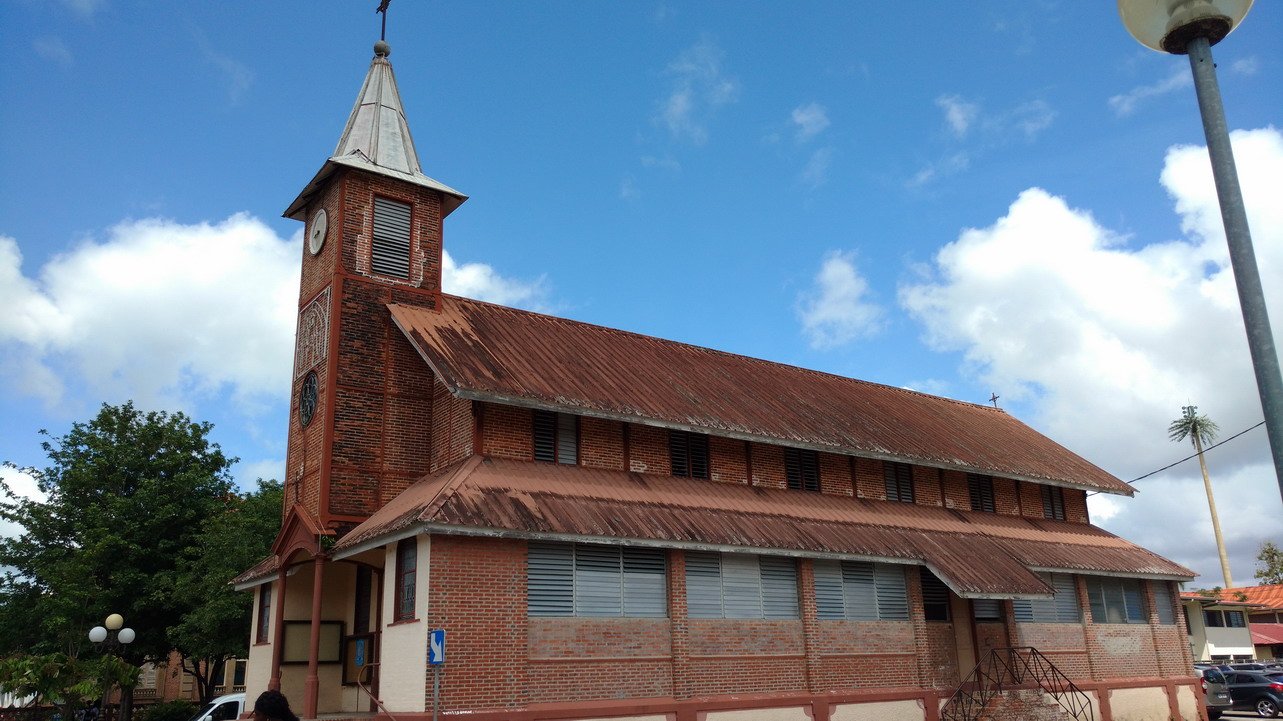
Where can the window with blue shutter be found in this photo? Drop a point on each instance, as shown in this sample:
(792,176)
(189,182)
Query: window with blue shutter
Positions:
(390,246)
(738,585)
(860,591)
(1061,608)
(579,579)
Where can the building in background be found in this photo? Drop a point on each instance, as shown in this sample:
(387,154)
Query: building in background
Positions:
(583,522)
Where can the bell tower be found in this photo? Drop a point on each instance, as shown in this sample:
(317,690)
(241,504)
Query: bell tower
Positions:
(373,237)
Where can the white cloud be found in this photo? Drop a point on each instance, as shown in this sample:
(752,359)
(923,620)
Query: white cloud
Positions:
(816,172)
(958,113)
(699,89)
(665,161)
(85,8)
(948,165)
(1027,119)
(53,49)
(21,484)
(1246,66)
(1106,342)
(481,281)
(1125,104)
(169,314)
(811,119)
(836,310)
(267,469)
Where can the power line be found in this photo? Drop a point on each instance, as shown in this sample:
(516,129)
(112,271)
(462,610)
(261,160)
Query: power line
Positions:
(1186,458)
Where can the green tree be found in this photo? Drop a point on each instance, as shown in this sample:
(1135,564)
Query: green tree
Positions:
(1269,565)
(126,495)
(1200,430)
(218,625)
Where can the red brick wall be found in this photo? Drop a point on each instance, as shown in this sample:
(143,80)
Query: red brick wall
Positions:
(601,443)
(1005,499)
(728,460)
(926,485)
(956,494)
(870,479)
(1076,506)
(506,432)
(835,474)
(768,465)
(648,450)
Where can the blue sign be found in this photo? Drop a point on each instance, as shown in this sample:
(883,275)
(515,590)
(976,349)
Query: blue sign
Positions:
(360,652)
(436,647)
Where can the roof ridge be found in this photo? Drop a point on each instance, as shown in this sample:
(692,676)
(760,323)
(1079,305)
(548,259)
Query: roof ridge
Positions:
(715,351)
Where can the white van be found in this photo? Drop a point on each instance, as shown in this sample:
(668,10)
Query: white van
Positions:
(223,708)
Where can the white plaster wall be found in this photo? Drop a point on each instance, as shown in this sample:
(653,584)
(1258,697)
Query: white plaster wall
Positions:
(259,669)
(403,660)
(1139,704)
(879,711)
(1188,702)
(1229,641)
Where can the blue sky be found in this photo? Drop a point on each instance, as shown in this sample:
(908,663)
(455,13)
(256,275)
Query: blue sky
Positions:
(1002,196)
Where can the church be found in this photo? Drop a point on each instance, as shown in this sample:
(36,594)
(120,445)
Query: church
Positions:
(497,514)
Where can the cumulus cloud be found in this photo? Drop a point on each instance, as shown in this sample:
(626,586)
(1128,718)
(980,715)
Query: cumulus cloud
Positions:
(836,311)
(1125,104)
(958,113)
(700,87)
(1105,340)
(811,119)
(20,484)
(169,314)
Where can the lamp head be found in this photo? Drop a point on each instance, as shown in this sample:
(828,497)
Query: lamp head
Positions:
(1169,25)
(97,634)
(114,622)
(126,635)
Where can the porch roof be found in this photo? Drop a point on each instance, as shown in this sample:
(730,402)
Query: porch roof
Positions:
(978,555)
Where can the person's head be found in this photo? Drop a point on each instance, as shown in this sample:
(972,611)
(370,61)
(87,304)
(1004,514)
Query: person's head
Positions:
(273,706)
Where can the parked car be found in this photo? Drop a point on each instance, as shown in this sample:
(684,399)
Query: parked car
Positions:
(1259,691)
(223,708)
(1216,694)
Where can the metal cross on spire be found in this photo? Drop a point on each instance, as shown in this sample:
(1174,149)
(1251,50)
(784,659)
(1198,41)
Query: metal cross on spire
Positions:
(994,399)
(383,8)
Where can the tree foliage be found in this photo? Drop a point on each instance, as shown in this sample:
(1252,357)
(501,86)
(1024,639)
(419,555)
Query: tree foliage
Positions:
(1269,565)
(126,496)
(231,540)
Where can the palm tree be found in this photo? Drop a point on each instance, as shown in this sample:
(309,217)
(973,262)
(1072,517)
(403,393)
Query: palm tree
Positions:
(1200,430)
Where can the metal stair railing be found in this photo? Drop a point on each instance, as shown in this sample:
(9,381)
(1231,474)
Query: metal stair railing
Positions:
(1010,668)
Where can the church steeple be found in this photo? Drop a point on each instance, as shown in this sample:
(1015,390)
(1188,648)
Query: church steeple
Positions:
(377,139)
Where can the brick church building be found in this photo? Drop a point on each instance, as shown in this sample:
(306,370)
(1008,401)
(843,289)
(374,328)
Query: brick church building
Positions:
(611,525)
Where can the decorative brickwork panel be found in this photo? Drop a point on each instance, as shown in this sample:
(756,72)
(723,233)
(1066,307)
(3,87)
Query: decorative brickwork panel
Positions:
(358,418)
(648,450)
(728,460)
(354,491)
(601,443)
(768,465)
(364,328)
(835,475)
(318,270)
(506,432)
(477,590)
(359,191)
(312,342)
(869,481)
(1119,650)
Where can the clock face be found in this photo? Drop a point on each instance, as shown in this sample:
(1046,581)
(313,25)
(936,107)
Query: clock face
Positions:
(307,399)
(316,232)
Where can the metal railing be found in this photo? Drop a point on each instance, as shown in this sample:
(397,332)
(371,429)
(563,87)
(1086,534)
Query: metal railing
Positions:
(1011,668)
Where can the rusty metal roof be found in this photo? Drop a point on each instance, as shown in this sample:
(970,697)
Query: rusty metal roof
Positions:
(261,572)
(1269,596)
(979,555)
(489,352)
(1265,634)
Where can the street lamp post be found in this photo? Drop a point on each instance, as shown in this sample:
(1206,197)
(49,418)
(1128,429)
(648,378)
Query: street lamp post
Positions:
(1192,27)
(110,638)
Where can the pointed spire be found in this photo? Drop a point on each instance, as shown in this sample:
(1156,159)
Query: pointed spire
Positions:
(376,130)
(377,138)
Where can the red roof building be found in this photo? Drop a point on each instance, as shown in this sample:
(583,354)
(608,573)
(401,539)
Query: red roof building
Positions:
(583,522)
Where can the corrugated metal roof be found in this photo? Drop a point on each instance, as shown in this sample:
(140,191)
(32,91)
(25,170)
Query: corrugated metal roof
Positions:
(976,554)
(1268,596)
(489,352)
(1265,634)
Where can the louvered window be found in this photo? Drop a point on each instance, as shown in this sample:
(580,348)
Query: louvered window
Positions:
(1053,502)
(860,591)
(689,454)
(1061,608)
(935,597)
(1115,600)
(390,250)
(981,488)
(407,553)
(737,585)
(556,437)
(986,609)
(1163,602)
(899,480)
(578,579)
(264,613)
(802,469)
